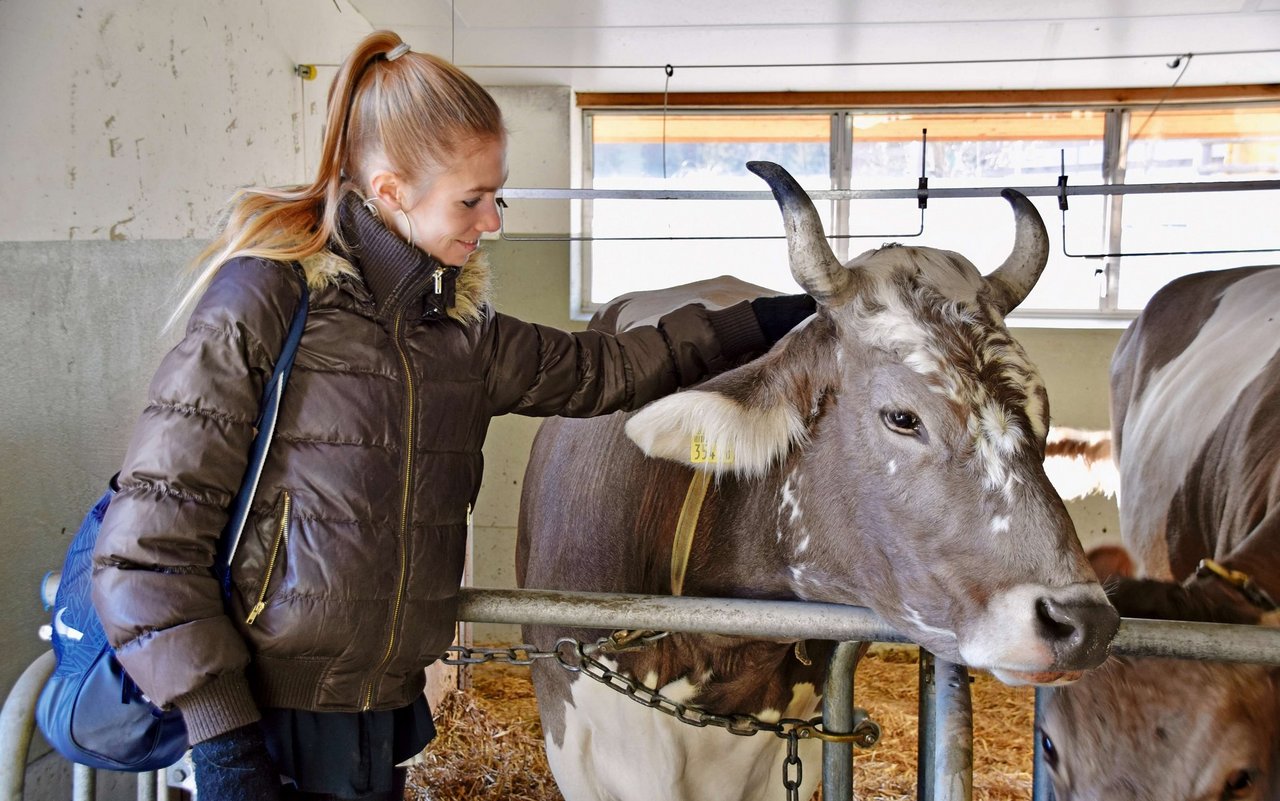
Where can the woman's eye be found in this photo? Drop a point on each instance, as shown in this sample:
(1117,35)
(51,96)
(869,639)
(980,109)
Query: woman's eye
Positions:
(471,204)
(903,422)
(1238,785)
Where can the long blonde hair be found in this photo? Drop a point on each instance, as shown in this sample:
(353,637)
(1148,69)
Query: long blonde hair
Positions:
(416,110)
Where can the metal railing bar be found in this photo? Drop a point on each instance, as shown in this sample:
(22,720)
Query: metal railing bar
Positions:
(825,621)
(529,193)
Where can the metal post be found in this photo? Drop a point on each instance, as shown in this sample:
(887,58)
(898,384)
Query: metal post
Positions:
(84,783)
(147,790)
(838,716)
(928,701)
(1041,782)
(953,728)
(17,724)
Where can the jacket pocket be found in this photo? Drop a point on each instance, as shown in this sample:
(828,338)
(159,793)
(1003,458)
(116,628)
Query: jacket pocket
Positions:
(274,558)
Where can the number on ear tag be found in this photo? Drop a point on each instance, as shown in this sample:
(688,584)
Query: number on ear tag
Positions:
(702,453)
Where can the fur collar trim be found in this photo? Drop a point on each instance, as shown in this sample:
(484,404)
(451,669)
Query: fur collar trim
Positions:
(473,287)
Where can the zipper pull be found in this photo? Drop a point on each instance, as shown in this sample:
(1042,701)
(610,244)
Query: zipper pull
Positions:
(468,515)
(253,613)
(438,275)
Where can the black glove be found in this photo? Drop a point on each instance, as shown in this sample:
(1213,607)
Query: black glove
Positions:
(234,766)
(778,315)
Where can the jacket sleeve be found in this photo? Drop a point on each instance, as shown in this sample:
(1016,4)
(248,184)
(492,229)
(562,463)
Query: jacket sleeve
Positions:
(153,585)
(540,371)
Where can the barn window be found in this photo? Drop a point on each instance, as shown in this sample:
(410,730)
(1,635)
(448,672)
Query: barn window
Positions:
(632,244)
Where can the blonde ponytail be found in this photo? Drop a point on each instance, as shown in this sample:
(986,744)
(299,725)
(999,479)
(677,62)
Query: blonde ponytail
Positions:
(416,110)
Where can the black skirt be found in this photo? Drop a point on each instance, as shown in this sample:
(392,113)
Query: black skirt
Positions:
(346,754)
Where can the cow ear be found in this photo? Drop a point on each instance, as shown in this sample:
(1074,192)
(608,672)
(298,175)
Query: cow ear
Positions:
(1111,562)
(743,421)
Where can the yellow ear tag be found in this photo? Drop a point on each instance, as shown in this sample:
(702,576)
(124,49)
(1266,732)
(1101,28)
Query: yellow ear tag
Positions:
(701,453)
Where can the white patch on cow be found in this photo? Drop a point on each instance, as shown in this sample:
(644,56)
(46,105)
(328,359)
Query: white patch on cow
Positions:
(1081,475)
(1232,347)
(999,524)
(893,467)
(694,764)
(757,438)
(1008,634)
(917,620)
(893,320)
(803,545)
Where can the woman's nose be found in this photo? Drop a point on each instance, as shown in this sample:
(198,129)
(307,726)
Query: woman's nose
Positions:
(491,219)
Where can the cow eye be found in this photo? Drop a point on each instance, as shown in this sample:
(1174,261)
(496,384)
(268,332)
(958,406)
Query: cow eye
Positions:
(1238,785)
(1049,750)
(901,421)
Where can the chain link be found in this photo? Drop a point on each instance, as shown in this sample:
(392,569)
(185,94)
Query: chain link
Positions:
(577,657)
(792,761)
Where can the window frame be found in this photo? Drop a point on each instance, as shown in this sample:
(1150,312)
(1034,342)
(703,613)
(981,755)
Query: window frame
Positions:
(1119,113)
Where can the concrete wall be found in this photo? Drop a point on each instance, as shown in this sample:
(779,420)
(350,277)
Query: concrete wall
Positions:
(127,125)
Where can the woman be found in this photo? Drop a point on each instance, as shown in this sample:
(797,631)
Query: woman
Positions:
(345,582)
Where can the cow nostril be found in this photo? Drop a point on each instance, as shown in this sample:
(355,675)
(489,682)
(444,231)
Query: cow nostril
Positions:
(1078,632)
(1056,622)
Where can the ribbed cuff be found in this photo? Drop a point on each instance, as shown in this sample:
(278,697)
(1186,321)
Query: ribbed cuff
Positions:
(738,330)
(218,707)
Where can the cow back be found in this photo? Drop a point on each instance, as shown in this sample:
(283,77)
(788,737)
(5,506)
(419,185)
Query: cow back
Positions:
(1196,424)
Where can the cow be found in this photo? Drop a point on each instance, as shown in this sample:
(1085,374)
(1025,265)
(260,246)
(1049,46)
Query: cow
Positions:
(1195,386)
(887,453)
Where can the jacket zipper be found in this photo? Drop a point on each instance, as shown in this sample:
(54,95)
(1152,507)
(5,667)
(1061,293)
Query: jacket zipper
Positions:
(282,536)
(405,489)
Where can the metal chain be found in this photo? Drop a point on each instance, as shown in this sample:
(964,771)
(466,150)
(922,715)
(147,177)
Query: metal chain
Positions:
(792,762)
(577,657)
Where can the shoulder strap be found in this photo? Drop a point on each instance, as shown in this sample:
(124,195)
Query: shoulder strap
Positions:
(266,427)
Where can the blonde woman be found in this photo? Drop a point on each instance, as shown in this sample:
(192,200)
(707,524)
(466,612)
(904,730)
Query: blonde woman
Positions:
(308,682)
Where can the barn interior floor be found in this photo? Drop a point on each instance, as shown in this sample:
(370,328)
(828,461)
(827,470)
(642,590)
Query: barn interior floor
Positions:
(490,742)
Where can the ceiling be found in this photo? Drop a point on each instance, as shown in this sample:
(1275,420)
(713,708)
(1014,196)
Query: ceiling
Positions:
(854,45)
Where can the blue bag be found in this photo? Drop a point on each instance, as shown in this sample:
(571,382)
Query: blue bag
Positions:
(90,711)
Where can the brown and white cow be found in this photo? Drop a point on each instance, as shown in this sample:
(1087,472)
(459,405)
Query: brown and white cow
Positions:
(888,453)
(1196,427)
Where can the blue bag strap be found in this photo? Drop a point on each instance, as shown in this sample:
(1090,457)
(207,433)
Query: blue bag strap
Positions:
(266,426)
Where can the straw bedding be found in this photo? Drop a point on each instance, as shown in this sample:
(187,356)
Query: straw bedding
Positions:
(490,744)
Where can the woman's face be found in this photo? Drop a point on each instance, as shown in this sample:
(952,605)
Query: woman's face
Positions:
(454,207)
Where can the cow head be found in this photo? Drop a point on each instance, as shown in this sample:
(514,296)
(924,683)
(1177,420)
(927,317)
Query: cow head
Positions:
(906,430)
(1179,730)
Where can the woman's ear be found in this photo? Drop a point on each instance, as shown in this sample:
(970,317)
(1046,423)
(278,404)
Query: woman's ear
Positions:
(386,188)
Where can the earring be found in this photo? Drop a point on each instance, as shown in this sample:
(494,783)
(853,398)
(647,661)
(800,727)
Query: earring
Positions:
(373,209)
(408,222)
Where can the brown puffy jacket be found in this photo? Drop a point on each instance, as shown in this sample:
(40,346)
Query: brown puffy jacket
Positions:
(345,583)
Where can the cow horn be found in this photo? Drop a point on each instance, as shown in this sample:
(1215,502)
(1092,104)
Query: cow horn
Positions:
(813,264)
(1013,280)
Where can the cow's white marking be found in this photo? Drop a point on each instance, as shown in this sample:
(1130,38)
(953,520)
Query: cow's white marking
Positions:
(1008,634)
(999,524)
(1231,348)
(708,764)
(917,620)
(893,467)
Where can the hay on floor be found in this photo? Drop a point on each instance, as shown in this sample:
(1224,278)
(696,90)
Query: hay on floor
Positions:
(490,744)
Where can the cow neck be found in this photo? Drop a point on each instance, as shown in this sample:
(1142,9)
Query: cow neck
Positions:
(681,548)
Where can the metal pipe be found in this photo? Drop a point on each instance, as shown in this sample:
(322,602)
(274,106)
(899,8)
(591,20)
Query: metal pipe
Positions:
(84,783)
(17,725)
(535,193)
(147,785)
(1040,779)
(952,734)
(806,620)
(925,739)
(838,716)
